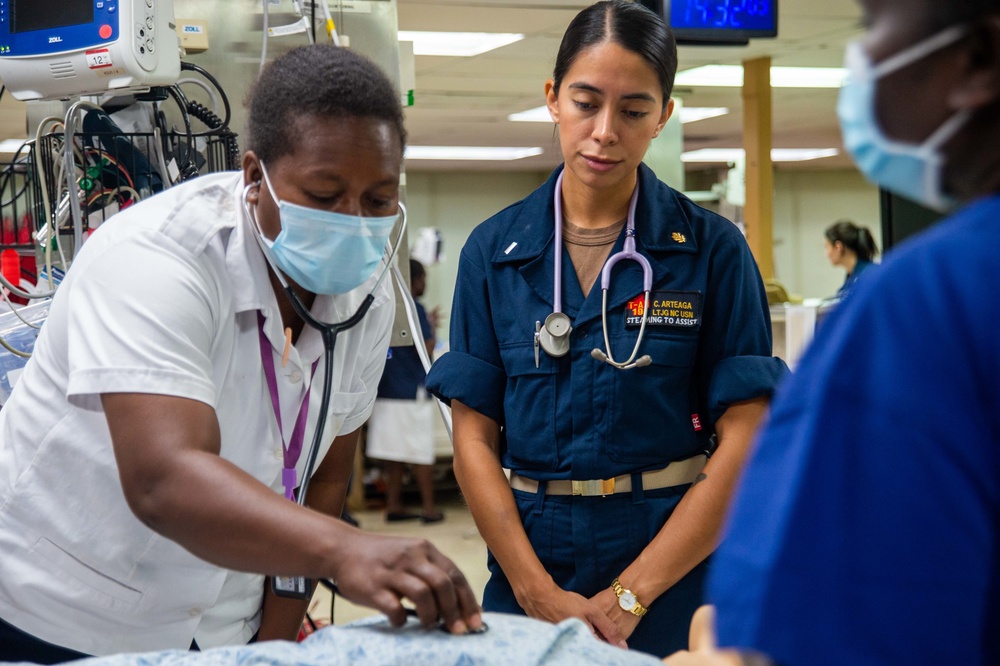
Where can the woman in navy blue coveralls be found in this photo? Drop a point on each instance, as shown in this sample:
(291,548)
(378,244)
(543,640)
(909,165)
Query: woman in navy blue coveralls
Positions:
(554,556)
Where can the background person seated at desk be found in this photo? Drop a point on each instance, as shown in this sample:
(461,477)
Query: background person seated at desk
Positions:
(401,429)
(851,247)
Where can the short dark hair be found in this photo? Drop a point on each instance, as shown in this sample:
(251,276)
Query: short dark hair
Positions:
(858,239)
(416,269)
(320,80)
(627,24)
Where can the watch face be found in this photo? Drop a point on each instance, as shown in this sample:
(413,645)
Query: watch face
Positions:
(627,600)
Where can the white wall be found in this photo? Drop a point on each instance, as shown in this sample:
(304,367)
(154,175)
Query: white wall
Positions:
(805,204)
(455,202)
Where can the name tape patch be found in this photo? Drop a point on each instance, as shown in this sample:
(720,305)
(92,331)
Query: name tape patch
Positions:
(678,309)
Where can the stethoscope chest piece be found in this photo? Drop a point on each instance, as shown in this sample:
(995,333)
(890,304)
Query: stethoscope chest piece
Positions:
(553,337)
(554,334)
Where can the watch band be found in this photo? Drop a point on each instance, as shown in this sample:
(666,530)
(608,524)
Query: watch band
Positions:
(627,600)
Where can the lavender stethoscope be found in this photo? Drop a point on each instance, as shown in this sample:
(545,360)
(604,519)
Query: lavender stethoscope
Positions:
(553,335)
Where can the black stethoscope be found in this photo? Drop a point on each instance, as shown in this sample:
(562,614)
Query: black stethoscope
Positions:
(553,335)
(299,588)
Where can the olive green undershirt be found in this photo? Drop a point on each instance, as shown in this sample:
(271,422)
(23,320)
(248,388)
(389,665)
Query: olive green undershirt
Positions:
(588,250)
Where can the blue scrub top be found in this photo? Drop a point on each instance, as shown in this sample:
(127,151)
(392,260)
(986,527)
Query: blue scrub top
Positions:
(404,373)
(575,417)
(867,526)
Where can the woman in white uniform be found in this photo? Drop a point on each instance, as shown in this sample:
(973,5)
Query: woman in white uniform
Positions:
(401,430)
(146,448)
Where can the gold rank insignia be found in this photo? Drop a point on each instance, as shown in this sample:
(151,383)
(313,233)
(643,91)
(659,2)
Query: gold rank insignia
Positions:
(679,237)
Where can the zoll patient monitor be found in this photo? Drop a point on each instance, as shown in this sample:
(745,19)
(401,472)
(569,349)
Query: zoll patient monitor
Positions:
(51,49)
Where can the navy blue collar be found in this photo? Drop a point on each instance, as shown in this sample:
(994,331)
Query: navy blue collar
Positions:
(532,228)
(662,229)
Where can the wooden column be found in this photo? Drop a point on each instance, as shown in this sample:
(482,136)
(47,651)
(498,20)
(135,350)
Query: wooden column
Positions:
(759,210)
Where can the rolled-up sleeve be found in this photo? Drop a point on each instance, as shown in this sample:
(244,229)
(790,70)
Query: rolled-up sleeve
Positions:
(736,362)
(742,378)
(472,371)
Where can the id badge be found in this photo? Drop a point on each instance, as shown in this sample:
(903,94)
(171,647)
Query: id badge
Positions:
(292,587)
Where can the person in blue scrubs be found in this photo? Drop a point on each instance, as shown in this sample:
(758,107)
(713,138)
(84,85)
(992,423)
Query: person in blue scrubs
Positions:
(852,248)
(867,527)
(604,555)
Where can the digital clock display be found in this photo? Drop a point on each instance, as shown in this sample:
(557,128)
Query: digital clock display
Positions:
(747,17)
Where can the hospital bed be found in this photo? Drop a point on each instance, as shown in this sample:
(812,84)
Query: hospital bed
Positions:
(510,640)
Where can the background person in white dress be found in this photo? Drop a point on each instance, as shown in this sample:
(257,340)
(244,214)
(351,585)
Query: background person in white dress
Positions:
(401,429)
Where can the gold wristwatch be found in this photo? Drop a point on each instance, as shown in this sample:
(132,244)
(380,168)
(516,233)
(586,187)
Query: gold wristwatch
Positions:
(627,600)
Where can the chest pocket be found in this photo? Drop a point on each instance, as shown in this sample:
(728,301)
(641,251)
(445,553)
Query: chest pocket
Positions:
(530,409)
(651,406)
(342,403)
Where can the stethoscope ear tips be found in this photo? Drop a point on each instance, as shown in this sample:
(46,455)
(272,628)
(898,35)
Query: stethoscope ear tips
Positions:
(642,362)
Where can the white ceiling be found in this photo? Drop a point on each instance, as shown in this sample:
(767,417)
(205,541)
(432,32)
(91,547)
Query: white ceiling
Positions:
(465,101)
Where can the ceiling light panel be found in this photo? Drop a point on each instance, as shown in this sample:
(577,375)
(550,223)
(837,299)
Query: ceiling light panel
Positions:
(731,76)
(476,153)
(689,114)
(718,155)
(457,44)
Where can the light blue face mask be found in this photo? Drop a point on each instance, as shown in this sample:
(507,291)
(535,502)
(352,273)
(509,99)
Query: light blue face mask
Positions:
(911,170)
(326,252)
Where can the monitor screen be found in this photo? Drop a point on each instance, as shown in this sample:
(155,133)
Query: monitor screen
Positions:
(902,218)
(29,15)
(722,20)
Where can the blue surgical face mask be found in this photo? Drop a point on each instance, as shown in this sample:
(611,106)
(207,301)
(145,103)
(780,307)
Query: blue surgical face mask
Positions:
(326,252)
(914,171)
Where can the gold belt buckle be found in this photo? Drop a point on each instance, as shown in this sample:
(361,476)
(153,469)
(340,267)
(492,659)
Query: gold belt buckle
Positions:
(594,487)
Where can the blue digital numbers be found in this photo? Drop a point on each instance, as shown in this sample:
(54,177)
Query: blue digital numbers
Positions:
(750,15)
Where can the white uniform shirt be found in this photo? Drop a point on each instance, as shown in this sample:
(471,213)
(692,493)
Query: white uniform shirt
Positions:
(162,299)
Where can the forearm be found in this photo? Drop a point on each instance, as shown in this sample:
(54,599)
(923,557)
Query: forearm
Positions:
(328,487)
(225,516)
(491,501)
(282,617)
(692,531)
(167,451)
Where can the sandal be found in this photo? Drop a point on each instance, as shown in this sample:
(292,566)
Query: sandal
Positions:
(435,517)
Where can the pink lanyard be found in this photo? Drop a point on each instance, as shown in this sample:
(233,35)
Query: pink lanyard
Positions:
(291,451)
